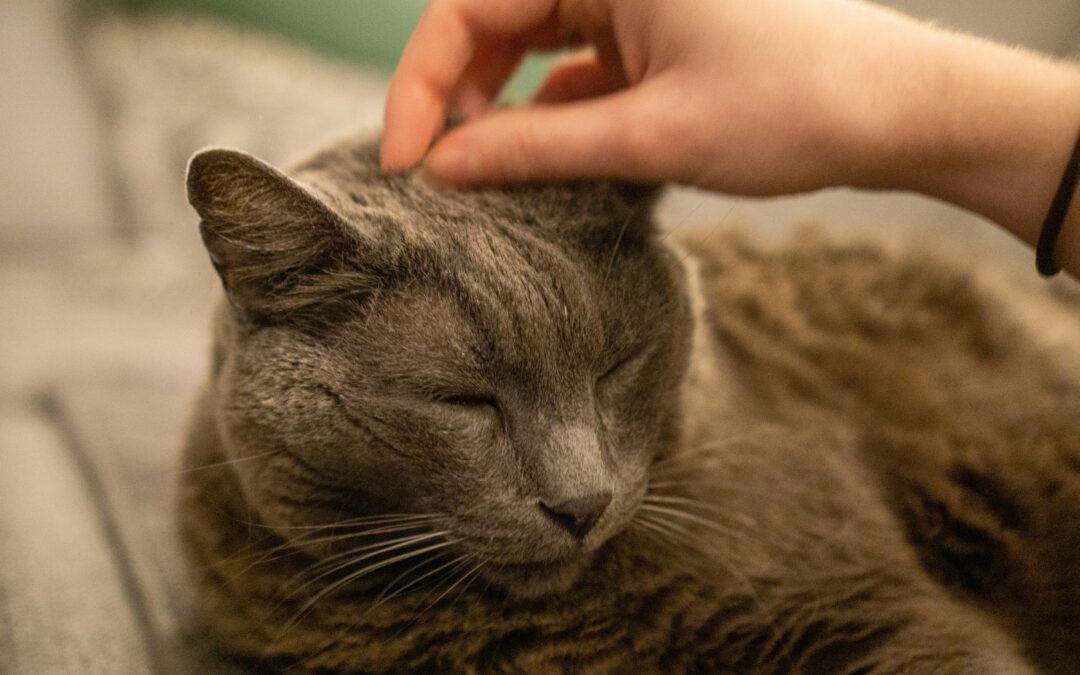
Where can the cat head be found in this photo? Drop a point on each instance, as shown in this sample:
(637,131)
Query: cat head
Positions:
(505,360)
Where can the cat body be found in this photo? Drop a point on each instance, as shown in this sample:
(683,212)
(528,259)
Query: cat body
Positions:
(520,430)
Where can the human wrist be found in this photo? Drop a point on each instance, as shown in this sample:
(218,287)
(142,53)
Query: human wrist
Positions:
(994,133)
(884,129)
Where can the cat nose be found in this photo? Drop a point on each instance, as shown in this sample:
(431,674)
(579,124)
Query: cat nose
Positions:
(579,514)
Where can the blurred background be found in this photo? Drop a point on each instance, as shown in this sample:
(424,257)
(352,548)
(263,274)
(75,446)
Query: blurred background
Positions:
(105,290)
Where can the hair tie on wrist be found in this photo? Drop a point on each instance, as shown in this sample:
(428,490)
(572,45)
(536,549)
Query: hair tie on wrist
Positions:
(1044,251)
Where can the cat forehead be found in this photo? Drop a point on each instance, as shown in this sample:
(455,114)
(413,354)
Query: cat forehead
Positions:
(522,254)
(349,176)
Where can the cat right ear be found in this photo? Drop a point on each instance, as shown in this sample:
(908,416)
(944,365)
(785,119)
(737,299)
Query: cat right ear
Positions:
(273,242)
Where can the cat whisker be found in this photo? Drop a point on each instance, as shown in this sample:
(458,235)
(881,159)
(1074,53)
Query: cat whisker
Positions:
(685,218)
(689,502)
(683,467)
(407,555)
(292,547)
(227,462)
(465,588)
(676,484)
(418,520)
(316,537)
(474,570)
(677,529)
(350,558)
(363,520)
(710,450)
(250,549)
(683,515)
(455,565)
(694,461)
(313,531)
(711,453)
(660,528)
(701,472)
(682,457)
(716,228)
(353,576)
(678,499)
(671,533)
(660,500)
(618,243)
(385,597)
(450,574)
(663,527)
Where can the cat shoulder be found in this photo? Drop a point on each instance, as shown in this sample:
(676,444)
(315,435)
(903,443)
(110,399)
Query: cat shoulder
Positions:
(814,290)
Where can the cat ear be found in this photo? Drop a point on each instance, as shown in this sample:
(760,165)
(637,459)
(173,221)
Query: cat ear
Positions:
(615,211)
(271,240)
(640,197)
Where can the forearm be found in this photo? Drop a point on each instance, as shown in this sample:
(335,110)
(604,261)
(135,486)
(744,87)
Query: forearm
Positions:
(992,131)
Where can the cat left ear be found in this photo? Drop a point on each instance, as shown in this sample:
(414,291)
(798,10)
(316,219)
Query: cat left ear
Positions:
(271,240)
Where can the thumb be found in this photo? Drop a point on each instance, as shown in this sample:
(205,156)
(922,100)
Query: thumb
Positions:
(599,137)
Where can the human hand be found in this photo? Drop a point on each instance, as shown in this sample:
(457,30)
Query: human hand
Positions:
(763,98)
(755,98)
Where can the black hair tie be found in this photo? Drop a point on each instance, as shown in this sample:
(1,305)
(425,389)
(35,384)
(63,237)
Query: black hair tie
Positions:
(1044,251)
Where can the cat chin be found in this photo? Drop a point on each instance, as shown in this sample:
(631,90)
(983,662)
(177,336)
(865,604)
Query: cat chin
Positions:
(537,580)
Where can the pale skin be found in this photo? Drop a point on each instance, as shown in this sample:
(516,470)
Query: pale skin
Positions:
(753,98)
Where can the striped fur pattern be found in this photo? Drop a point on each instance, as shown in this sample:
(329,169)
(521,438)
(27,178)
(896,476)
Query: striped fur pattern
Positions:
(822,457)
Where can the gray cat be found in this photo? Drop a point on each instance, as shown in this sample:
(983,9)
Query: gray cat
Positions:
(521,430)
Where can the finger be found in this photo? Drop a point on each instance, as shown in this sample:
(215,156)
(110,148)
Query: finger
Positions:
(485,77)
(576,76)
(600,137)
(435,57)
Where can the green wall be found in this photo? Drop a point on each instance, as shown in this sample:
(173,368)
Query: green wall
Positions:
(366,31)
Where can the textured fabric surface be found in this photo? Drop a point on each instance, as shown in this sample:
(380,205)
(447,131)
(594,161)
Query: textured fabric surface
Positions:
(172,85)
(123,428)
(64,605)
(89,577)
(108,336)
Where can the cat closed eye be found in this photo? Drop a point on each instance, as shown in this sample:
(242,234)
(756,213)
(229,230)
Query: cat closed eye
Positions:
(621,364)
(469,401)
